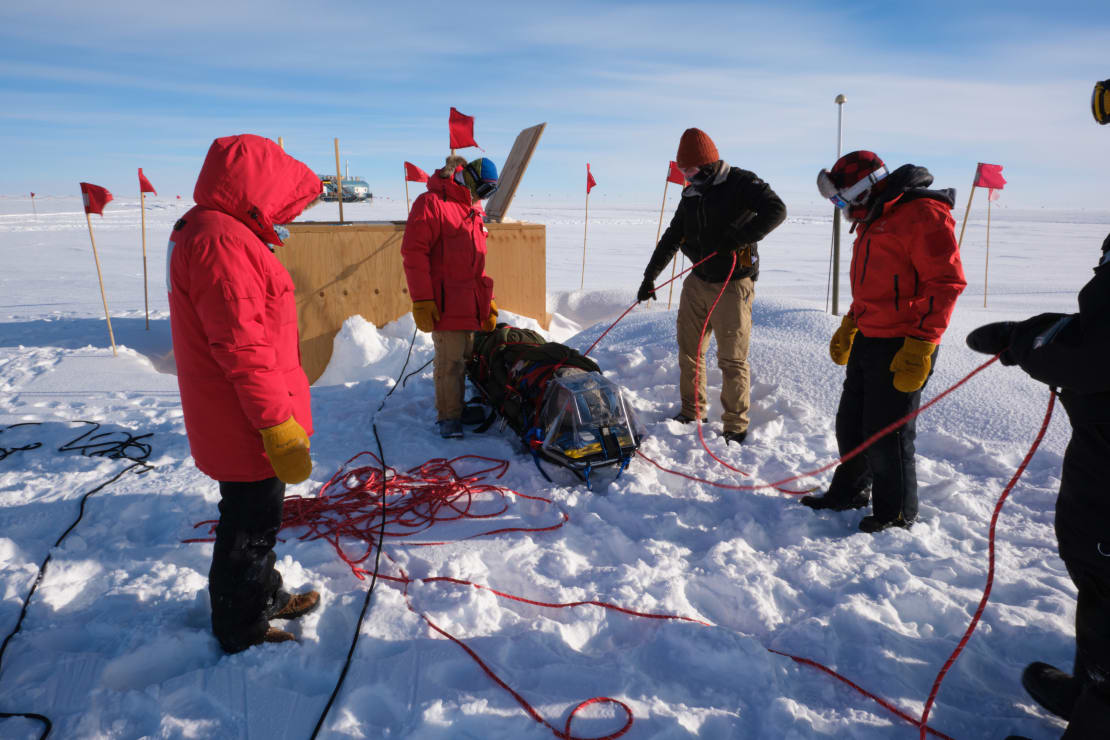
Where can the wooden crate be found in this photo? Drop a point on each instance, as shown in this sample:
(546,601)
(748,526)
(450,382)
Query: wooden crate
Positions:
(341,270)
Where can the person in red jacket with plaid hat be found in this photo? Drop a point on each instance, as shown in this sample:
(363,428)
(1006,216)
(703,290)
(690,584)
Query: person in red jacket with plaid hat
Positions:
(444,254)
(906,275)
(244,396)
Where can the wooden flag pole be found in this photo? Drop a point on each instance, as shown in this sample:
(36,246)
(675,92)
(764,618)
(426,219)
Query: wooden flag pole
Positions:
(281,143)
(146,293)
(960,241)
(338,182)
(986,263)
(659,230)
(407,206)
(103,296)
(585,228)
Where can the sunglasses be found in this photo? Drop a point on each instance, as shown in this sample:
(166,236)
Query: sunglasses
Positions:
(1100,102)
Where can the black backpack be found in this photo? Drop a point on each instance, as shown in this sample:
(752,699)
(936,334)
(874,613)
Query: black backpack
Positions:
(510,367)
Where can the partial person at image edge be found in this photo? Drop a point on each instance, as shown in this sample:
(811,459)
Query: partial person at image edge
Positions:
(1071,353)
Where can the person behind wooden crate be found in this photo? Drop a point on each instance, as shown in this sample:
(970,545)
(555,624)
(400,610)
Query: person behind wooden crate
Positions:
(444,255)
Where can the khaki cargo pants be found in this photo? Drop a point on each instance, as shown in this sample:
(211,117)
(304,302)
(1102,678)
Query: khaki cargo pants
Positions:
(452,350)
(731,322)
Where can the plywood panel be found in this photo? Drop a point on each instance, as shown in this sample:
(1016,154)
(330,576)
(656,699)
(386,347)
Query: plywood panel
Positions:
(342,270)
(515,165)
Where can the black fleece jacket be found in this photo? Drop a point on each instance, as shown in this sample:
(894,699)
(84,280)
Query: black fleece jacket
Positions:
(1072,353)
(731,212)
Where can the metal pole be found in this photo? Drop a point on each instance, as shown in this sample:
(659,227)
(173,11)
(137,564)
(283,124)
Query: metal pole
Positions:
(836,212)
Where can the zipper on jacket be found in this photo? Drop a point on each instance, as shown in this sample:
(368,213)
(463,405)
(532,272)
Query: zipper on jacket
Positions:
(921,324)
(896,292)
(866,257)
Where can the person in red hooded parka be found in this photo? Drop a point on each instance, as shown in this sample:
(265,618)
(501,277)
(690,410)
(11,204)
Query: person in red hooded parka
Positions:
(444,253)
(244,396)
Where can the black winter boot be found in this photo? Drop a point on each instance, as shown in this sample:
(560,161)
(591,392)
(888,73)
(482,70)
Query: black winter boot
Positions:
(837,502)
(872,524)
(1050,687)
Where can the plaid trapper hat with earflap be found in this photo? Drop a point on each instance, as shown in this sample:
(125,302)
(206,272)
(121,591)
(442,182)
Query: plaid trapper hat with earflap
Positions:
(853,167)
(848,184)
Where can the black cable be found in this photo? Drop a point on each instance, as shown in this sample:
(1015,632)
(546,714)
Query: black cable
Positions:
(414,372)
(5,451)
(114,450)
(377,555)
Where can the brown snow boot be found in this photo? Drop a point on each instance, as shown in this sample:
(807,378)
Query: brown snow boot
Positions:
(298,605)
(273,634)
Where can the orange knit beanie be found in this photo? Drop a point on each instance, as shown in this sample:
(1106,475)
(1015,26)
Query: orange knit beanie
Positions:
(695,148)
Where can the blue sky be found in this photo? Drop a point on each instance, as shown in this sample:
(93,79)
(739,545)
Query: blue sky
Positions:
(91,91)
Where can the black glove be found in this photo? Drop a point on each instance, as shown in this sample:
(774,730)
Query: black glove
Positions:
(647,290)
(991,339)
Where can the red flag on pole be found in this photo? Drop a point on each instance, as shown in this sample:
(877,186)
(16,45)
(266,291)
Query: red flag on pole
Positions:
(414,173)
(989,176)
(95,198)
(590,181)
(675,175)
(144,184)
(462,130)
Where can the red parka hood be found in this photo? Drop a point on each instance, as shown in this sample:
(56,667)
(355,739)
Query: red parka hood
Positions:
(446,187)
(251,179)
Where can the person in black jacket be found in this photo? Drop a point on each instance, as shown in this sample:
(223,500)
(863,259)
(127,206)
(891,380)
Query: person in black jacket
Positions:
(1071,352)
(724,211)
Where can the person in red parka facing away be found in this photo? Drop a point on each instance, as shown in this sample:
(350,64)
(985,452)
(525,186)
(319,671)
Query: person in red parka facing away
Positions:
(244,396)
(444,254)
(906,276)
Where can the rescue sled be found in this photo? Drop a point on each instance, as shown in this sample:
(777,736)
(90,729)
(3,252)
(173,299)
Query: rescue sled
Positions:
(555,399)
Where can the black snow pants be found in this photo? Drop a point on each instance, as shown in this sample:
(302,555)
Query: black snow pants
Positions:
(868,403)
(1083,533)
(242,582)
(1091,716)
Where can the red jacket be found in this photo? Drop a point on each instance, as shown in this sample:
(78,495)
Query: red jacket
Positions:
(906,271)
(232,311)
(444,252)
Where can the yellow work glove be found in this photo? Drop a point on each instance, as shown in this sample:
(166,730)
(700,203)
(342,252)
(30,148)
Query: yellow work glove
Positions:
(840,346)
(287,447)
(425,314)
(491,321)
(912,363)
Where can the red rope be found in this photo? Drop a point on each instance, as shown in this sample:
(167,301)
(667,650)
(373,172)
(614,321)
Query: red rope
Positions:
(637,303)
(528,708)
(879,700)
(990,568)
(863,446)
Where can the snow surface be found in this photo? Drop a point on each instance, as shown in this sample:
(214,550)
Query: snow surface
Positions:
(116,641)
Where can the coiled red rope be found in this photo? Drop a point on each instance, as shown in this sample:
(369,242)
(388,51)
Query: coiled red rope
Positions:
(349,506)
